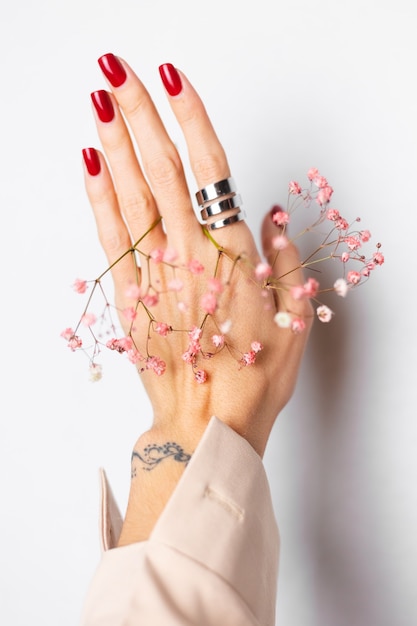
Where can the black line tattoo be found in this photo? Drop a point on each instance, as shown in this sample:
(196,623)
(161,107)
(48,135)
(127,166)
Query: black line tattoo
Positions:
(153,454)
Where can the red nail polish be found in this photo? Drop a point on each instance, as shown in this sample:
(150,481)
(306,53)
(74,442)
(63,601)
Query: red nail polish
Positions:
(103,105)
(92,161)
(112,69)
(171,79)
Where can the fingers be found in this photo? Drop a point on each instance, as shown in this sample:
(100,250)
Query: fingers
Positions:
(155,183)
(160,160)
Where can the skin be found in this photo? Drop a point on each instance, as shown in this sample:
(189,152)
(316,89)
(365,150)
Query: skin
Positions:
(247,399)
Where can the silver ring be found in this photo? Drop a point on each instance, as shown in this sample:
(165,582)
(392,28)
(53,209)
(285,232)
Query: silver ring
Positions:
(238,217)
(233,202)
(215,190)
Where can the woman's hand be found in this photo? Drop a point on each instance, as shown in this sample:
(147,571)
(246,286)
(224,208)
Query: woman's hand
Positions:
(139,180)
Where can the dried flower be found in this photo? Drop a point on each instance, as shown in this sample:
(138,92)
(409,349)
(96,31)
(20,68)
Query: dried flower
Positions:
(341,241)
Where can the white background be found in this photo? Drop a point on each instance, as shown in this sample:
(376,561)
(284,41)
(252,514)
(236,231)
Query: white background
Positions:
(289,86)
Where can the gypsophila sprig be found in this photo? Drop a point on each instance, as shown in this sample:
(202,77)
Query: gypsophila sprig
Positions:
(342,241)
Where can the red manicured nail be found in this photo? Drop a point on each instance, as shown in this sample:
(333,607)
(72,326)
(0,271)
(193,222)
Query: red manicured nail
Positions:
(171,79)
(103,105)
(112,69)
(92,161)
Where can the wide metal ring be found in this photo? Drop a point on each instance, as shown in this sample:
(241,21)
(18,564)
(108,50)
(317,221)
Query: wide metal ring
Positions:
(215,190)
(238,217)
(216,208)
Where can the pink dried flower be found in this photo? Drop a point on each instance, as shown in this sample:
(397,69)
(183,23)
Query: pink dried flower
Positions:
(365,235)
(279,242)
(333,215)
(150,299)
(215,285)
(208,302)
(324,195)
(74,343)
(341,287)
(341,224)
(324,313)
(67,334)
(126,343)
(163,329)
(80,286)
(120,345)
(156,364)
(320,181)
(263,270)
(200,376)
(88,319)
(195,266)
(353,243)
(189,356)
(248,358)
(345,256)
(157,255)
(378,258)
(280,218)
(297,292)
(218,340)
(170,255)
(312,173)
(195,333)
(353,277)
(256,346)
(175,284)
(182,307)
(294,188)
(133,291)
(298,325)
(134,356)
(311,288)
(129,313)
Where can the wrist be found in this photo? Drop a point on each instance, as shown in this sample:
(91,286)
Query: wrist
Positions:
(159,459)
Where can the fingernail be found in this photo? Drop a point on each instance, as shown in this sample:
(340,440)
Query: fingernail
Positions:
(103,105)
(171,79)
(92,161)
(112,69)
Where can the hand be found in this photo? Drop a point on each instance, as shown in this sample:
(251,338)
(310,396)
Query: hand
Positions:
(129,196)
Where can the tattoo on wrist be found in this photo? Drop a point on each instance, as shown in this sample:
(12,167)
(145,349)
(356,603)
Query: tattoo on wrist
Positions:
(153,454)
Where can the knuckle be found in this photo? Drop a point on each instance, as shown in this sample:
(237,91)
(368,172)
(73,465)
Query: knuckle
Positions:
(112,241)
(136,106)
(207,168)
(164,169)
(134,204)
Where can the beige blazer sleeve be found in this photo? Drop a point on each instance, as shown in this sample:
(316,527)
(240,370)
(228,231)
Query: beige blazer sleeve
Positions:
(212,558)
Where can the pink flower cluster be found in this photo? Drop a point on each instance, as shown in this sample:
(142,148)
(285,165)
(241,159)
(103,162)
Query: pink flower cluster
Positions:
(343,242)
